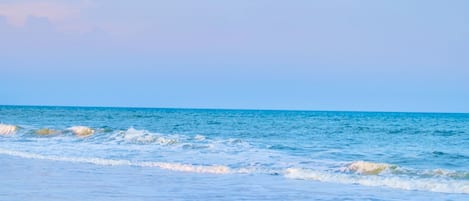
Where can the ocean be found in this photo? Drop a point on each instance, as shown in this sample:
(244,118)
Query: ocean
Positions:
(93,153)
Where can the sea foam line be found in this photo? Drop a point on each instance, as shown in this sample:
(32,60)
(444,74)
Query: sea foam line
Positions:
(422,184)
(210,169)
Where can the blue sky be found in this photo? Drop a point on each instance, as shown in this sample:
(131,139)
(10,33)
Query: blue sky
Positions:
(262,54)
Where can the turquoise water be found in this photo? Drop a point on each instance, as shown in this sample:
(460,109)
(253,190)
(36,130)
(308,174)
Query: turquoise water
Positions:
(192,154)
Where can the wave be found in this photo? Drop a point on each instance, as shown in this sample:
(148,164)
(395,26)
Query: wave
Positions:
(96,161)
(81,131)
(445,173)
(210,169)
(6,129)
(371,168)
(132,135)
(238,156)
(129,136)
(199,137)
(436,180)
(47,131)
(406,183)
(368,168)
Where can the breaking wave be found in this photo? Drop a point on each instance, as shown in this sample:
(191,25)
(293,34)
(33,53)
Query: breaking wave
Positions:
(406,183)
(371,168)
(368,168)
(132,135)
(210,169)
(437,180)
(6,129)
(239,157)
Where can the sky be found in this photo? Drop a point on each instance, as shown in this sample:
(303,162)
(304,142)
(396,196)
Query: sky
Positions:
(353,55)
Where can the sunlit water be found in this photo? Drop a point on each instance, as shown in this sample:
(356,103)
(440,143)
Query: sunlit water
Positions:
(183,154)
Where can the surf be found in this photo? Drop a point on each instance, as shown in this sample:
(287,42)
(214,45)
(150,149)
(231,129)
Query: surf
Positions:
(440,185)
(179,167)
(6,129)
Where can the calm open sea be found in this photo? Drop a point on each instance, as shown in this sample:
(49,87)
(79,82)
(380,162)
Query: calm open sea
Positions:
(195,154)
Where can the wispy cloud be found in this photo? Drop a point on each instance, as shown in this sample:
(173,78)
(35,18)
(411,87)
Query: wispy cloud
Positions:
(65,17)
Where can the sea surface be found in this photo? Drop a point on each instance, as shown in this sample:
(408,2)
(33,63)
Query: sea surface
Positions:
(204,154)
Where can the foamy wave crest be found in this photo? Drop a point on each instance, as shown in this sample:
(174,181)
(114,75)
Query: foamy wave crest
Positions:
(209,169)
(6,129)
(422,184)
(199,137)
(368,168)
(213,169)
(142,137)
(96,161)
(81,131)
(446,173)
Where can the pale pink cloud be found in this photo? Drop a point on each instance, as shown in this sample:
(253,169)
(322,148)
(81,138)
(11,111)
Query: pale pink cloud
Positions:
(65,17)
(17,13)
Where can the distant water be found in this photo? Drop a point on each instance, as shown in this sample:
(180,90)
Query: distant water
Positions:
(189,154)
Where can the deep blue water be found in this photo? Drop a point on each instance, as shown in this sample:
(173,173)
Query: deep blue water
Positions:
(194,154)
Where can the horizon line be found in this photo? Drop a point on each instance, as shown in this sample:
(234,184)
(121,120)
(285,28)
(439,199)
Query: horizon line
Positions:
(241,109)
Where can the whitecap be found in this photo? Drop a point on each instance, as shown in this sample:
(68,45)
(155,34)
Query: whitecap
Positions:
(81,131)
(199,137)
(6,129)
(369,168)
(133,135)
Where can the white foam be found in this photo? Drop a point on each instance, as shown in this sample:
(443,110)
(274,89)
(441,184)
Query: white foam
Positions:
(423,184)
(213,169)
(199,137)
(143,137)
(447,173)
(81,131)
(209,169)
(370,168)
(96,161)
(6,129)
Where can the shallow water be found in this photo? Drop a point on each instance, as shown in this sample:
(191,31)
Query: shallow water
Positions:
(184,154)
